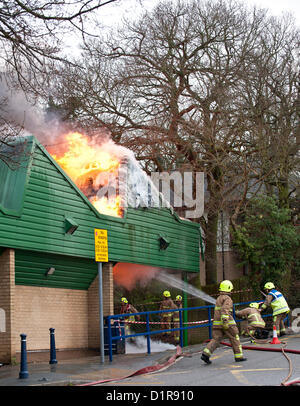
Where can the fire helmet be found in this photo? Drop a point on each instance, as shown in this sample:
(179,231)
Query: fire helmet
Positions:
(124,300)
(167,293)
(254,304)
(226,286)
(178,297)
(269,285)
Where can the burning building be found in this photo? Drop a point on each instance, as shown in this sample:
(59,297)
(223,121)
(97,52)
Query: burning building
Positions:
(49,207)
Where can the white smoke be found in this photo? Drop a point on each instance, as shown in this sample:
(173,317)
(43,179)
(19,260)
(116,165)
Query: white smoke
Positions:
(35,120)
(139,345)
(16,108)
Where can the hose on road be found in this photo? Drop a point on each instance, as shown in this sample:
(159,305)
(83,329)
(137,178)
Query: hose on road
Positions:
(283,350)
(179,354)
(141,371)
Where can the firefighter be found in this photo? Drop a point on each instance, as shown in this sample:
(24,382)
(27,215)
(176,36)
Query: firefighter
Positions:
(128,308)
(166,318)
(254,322)
(279,306)
(176,318)
(224,325)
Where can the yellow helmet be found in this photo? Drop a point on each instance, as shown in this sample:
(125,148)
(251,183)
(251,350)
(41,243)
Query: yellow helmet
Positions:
(178,297)
(167,293)
(226,286)
(124,300)
(254,304)
(269,285)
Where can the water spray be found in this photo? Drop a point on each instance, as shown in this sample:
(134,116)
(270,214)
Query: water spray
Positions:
(186,287)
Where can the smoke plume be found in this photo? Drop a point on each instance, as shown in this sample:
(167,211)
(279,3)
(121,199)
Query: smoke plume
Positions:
(16,109)
(36,120)
(129,275)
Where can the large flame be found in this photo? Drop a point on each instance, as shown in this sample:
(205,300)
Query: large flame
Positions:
(89,165)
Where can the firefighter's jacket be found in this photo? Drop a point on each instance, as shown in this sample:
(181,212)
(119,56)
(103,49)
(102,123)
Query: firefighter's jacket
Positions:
(277,302)
(223,312)
(167,304)
(253,317)
(176,315)
(129,308)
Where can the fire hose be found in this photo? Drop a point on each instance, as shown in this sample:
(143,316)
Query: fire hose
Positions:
(283,350)
(179,354)
(142,371)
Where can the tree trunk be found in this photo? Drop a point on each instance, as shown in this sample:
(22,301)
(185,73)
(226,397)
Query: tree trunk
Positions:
(211,248)
(215,187)
(283,194)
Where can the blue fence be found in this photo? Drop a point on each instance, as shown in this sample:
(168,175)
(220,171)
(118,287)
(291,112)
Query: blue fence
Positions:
(122,336)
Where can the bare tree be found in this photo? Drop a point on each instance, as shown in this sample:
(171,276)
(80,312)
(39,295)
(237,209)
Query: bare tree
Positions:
(270,101)
(31,34)
(171,87)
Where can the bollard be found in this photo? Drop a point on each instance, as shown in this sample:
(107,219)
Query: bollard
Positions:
(52,347)
(23,367)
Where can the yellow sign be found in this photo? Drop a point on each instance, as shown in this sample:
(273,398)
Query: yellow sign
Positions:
(101,245)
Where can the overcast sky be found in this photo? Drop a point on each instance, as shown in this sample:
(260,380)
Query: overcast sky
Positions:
(113,12)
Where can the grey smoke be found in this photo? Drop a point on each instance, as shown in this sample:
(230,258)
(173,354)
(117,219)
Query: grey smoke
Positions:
(17,110)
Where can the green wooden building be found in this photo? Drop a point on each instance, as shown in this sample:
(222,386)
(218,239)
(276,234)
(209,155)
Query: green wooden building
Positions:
(46,222)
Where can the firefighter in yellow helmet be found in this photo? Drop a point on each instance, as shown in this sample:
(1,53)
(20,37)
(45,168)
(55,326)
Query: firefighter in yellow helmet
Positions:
(176,318)
(128,308)
(254,323)
(279,306)
(166,317)
(224,325)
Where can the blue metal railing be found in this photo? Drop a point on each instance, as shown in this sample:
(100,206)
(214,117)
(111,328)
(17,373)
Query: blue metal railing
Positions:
(206,323)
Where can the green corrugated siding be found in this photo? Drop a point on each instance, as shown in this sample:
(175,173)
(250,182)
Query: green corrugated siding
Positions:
(70,273)
(13,178)
(51,196)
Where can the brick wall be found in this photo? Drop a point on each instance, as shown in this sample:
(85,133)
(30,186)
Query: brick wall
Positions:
(93,303)
(74,314)
(7,278)
(37,309)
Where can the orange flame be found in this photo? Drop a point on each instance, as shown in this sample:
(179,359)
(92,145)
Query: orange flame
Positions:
(88,166)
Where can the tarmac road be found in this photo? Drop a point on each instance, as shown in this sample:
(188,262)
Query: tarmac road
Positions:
(186,373)
(262,368)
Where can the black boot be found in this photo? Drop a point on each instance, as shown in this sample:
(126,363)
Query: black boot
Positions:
(205,358)
(240,359)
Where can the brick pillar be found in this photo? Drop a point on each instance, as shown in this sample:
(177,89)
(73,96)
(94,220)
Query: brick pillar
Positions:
(7,292)
(93,303)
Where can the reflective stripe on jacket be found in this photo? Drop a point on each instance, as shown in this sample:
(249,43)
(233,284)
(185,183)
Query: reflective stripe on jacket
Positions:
(277,301)
(253,316)
(167,304)
(223,311)
(128,308)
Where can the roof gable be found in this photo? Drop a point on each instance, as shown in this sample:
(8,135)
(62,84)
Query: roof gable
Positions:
(14,178)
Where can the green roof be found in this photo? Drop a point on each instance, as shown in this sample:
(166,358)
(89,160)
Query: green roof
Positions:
(13,178)
(39,204)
